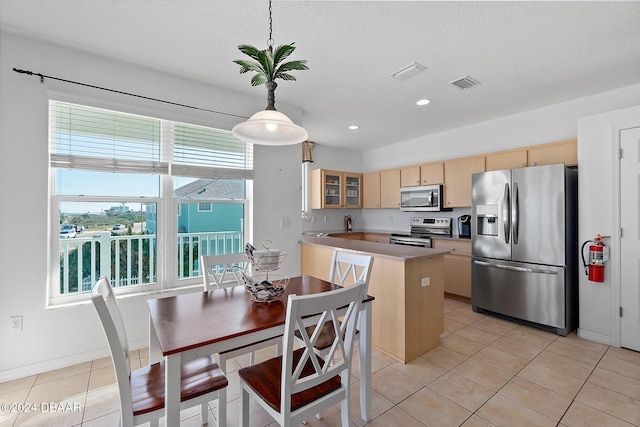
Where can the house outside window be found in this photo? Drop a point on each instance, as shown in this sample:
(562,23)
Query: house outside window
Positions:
(139,199)
(205,207)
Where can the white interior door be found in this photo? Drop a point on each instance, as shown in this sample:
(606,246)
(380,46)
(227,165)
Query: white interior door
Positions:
(630,241)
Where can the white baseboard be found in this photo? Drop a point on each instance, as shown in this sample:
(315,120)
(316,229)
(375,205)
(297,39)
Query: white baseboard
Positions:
(603,339)
(63,362)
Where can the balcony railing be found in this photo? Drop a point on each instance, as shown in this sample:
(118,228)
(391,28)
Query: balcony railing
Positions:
(85,259)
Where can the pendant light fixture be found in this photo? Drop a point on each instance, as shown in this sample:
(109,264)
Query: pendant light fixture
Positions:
(269,127)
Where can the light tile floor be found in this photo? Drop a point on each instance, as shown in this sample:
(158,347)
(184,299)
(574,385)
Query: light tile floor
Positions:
(486,372)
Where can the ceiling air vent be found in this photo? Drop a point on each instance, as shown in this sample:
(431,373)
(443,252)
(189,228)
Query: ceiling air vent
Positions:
(408,71)
(465,82)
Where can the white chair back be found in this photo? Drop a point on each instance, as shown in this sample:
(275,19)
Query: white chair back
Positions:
(106,305)
(326,307)
(223,271)
(343,263)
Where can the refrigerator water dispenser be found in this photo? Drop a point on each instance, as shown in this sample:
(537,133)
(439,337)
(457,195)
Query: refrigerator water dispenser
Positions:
(487,218)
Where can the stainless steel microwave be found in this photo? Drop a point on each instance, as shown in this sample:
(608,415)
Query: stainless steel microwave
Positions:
(427,198)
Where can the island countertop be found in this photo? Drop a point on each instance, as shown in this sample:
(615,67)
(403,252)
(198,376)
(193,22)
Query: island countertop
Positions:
(386,250)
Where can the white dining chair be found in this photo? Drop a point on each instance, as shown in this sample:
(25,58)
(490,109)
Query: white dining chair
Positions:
(300,383)
(345,268)
(224,271)
(142,390)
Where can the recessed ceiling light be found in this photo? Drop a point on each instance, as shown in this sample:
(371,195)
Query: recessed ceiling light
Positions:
(423,102)
(354,127)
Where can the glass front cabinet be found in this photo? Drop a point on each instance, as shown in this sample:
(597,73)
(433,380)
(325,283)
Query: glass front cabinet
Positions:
(335,189)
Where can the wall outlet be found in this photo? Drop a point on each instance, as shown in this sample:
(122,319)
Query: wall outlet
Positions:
(16,322)
(285,223)
(426,281)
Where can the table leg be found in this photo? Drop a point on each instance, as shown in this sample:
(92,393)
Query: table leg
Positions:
(222,395)
(173,367)
(155,353)
(364,354)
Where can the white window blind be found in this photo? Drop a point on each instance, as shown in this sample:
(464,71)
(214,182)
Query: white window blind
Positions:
(102,140)
(202,152)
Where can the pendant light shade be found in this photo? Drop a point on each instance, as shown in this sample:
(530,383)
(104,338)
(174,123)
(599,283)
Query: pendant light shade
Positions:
(269,127)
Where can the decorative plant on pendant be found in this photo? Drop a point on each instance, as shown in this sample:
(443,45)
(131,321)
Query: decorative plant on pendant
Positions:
(268,66)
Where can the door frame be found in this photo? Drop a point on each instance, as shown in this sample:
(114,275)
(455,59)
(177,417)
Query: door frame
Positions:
(615,262)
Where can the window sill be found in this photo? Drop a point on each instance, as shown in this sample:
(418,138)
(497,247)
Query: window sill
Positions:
(85,298)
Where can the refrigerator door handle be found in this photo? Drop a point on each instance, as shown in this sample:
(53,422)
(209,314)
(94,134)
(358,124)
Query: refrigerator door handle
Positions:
(516,213)
(514,268)
(506,207)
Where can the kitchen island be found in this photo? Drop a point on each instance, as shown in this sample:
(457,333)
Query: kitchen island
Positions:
(407,283)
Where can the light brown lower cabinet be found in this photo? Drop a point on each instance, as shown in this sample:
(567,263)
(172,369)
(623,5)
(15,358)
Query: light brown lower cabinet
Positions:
(457,275)
(457,267)
(377,237)
(360,235)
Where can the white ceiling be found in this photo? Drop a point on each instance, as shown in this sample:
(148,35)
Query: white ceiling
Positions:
(525,54)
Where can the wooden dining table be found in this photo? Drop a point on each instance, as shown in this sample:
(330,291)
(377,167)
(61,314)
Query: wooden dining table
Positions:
(189,326)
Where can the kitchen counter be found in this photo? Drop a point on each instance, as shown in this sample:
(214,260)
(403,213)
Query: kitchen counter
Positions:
(378,232)
(385,250)
(407,283)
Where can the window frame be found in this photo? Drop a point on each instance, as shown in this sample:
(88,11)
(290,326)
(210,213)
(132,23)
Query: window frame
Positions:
(166,213)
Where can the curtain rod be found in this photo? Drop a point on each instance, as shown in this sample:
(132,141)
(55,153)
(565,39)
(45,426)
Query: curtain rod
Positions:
(43,76)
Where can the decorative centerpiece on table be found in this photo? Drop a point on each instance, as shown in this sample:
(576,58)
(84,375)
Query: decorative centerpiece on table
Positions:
(263,285)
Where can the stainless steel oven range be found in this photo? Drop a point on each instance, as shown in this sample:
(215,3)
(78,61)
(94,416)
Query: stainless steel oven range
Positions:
(422,229)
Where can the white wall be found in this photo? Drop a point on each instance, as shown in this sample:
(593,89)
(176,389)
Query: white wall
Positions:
(277,197)
(556,122)
(53,338)
(341,160)
(599,214)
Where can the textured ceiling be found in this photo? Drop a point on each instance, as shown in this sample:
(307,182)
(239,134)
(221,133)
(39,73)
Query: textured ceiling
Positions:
(525,54)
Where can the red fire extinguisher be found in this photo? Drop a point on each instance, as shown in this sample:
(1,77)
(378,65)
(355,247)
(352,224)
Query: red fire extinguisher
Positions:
(598,255)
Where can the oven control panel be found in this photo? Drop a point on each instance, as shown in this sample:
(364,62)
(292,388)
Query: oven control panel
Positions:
(431,226)
(438,222)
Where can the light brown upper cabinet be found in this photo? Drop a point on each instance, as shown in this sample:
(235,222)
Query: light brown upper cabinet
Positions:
(432,173)
(557,152)
(457,180)
(390,188)
(371,190)
(353,190)
(546,154)
(381,189)
(335,189)
(426,174)
(410,176)
(506,160)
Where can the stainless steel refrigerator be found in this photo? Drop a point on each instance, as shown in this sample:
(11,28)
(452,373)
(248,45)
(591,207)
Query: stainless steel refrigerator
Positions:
(524,245)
